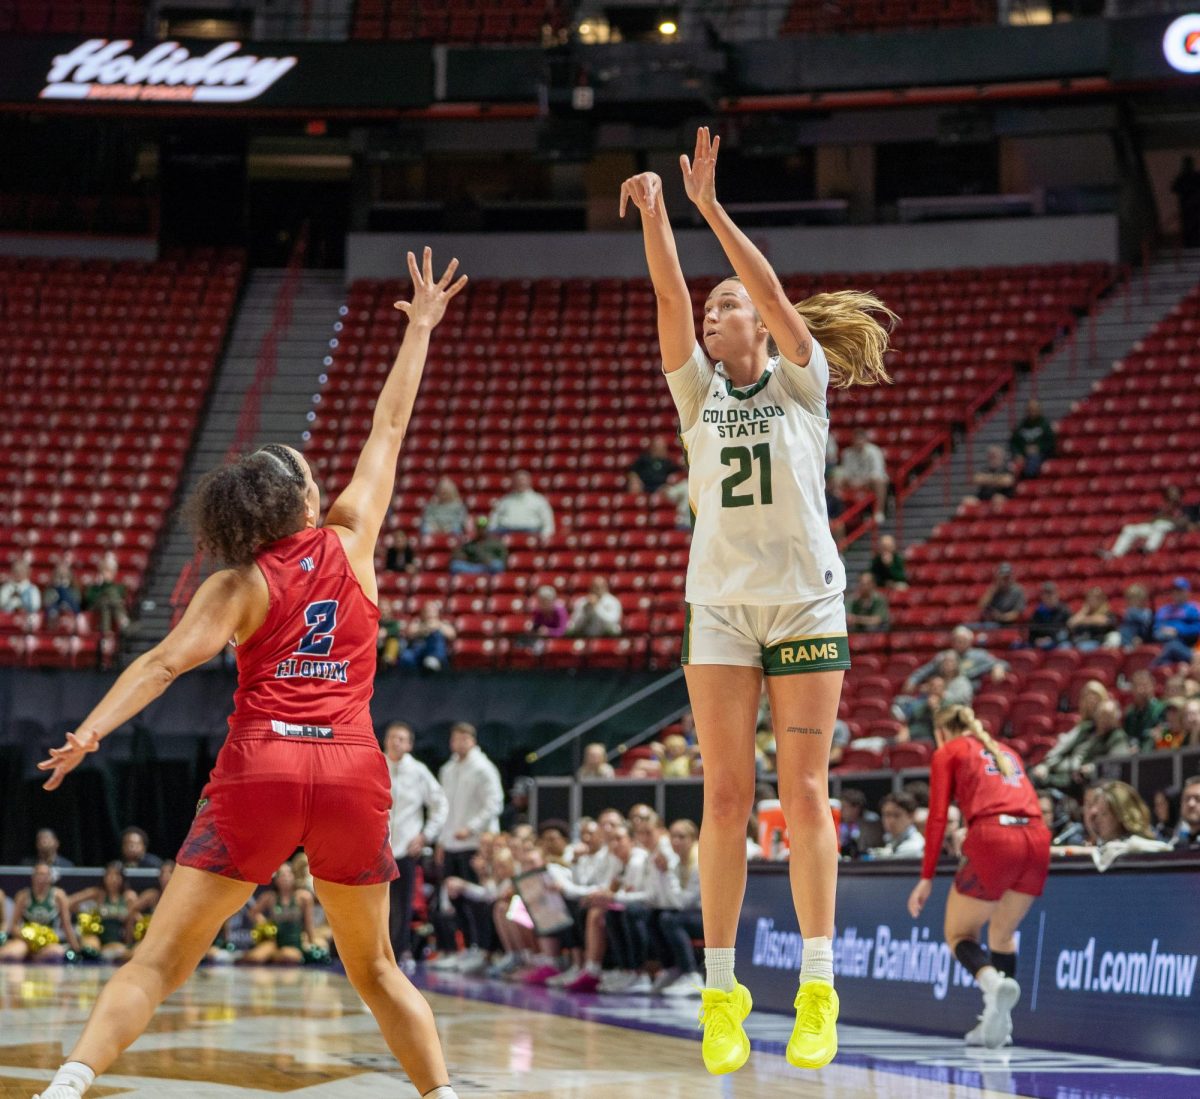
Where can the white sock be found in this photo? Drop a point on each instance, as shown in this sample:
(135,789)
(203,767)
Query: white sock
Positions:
(989,978)
(74,1074)
(718,967)
(816,963)
(444,1092)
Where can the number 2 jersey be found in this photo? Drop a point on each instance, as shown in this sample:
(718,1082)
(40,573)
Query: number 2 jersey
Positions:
(756,481)
(312,661)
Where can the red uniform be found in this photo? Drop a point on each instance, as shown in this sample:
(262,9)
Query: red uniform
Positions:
(301,765)
(1007,845)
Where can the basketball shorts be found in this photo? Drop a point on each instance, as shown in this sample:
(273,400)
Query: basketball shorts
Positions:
(998,857)
(787,639)
(278,786)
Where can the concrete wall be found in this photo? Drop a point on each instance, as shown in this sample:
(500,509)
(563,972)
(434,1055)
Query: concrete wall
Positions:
(841,248)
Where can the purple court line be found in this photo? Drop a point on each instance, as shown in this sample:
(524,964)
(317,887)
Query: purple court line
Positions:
(1049,1076)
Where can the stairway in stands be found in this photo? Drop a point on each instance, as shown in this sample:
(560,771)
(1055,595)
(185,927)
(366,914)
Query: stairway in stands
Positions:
(286,403)
(1103,337)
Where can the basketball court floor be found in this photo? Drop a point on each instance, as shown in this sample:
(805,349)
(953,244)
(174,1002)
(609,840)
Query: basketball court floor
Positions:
(249,1032)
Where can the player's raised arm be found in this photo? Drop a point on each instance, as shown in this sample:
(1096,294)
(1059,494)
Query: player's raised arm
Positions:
(676,326)
(786,326)
(363,504)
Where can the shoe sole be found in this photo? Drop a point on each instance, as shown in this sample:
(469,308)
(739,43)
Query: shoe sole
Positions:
(1007,996)
(797,1062)
(732,1068)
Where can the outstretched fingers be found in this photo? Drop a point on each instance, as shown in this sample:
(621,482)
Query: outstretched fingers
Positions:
(456,286)
(448,274)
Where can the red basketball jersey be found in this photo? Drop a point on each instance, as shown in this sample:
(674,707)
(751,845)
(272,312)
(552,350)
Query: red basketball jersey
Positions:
(963,770)
(312,661)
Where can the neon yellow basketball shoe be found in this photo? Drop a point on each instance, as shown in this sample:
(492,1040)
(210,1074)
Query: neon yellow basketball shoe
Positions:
(725,1046)
(814,1037)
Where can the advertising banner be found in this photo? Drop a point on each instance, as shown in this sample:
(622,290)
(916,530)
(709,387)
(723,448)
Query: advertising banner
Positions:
(1156,48)
(1107,961)
(216,74)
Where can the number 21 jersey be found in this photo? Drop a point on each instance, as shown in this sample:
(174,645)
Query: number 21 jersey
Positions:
(756,481)
(312,661)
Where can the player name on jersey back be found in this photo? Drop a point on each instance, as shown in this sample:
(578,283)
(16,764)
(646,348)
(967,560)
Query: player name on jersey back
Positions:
(335,671)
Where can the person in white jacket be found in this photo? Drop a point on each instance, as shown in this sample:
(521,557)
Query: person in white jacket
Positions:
(418,813)
(675,926)
(474,797)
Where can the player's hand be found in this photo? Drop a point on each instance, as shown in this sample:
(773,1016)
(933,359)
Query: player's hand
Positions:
(430,297)
(645,190)
(64,760)
(918,897)
(700,173)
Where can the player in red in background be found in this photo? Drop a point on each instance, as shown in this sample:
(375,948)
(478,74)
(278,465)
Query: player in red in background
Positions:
(301,765)
(1006,857)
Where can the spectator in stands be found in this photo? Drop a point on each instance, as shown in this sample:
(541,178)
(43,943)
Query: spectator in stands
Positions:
(399,555)
(1170,517)
(949,687)
(106,599)
(484,552)
(554,839)
(1164,813)
(1061,815)
(1137,620)
(474,798)
(887,566)
(549,613)
(860,829)
(1004,601)
(976,664)
(677,926)
(523,511)
(623,862)
(1118,823)
(445,513)
(652,469)
(391,635)
(996,480)
(1048,622)
(1032,440)
(135,850)
(838,742)
(1177,624)
(1093,622)
(595,763)
(111,903)
(675,492)
(62,595)
(1144,715)
(597,614)
(864,467)
(1187,834)
(1190,724)
(515,814)
(1072,761)
(19,594)
(867,610)
(429,639)
(39,906)
(901,840)
(45,849)
(675,755)
(1186,187)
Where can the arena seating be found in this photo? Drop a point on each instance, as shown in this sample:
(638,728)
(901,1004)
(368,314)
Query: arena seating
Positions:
(114,360)
(562,378)
(850,16)
(457,21)
(109,18)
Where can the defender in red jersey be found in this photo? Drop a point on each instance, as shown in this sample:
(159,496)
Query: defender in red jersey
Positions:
(301,765)
(1005,860)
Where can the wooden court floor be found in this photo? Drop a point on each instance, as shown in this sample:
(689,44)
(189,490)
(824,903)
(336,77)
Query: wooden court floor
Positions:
(257,1032)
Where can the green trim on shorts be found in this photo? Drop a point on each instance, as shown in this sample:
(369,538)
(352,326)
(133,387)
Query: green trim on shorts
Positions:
(821,653)
(687,634)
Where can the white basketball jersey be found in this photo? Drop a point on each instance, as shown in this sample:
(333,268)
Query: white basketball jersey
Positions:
(756,478)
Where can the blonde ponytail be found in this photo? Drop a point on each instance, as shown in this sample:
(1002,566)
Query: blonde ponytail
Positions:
(957,721)
(855,342)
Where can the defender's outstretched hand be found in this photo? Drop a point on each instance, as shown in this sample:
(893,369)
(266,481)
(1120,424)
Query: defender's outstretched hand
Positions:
(645,190)
(65,759)
(429,298)
(700,173)
(918,897)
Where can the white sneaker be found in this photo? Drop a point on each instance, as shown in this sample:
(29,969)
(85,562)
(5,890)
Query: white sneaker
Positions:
(447,963)
(686,987)
(995,1024)
(564,978)
(975,1037)
(432,663)
(617,981)
(473,962)
(640,986)
(665,977)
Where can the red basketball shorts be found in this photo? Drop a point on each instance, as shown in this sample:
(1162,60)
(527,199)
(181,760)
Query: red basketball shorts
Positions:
(999,857)
(277,787)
